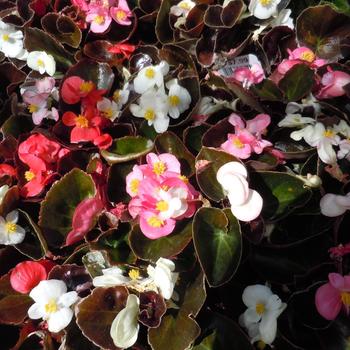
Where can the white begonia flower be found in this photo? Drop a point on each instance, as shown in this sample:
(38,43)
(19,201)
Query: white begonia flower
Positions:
(333,205)
(3,191)
(153,107)
(263,9)
(264,308)
(150,76)
(114,276)
(42,62)
(121,96)
(179,99)
(10,232)
(125,327)
(172,203)
(318,136)
(52,304)
(309,101)
(313,181)
(342,128)
(344,149)
(295,120)
(246,204)
(11,41)
(163,276)
(283,19)
(182,8)
(108,109)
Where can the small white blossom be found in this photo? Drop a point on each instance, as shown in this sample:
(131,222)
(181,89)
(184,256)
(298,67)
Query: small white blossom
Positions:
(163,276)
(121,96)
(263,309)
(333,205)
(11,41)
(108,109)
(153,107)
(263,9)
(182,8)
(150,76)
(3,191)
(42,62)
(10,232)
(52,304)
(179,99)
(309,101)
(295,120)
(125,327)
(342,128)
(344,149)
(283,19)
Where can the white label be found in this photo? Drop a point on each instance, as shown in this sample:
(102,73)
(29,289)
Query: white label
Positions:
(238,62)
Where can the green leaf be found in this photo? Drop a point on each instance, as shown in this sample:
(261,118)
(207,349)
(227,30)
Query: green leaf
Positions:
(57,209)
(324,30)
(206,175)
(127,148)
(218,243)
(281,193)
(168,246)
(37,40)
(168,142)
(207,343)
(297,82)
(13,305)
(95,314)
(267,90)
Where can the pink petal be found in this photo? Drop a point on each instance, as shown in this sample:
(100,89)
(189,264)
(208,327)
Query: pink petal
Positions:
(259,123)
(328,301)
(236,120)
(155,232)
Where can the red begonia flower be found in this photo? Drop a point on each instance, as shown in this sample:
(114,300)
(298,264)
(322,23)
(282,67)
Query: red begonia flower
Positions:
(6,169)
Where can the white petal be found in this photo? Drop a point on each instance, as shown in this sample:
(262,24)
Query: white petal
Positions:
(48,289)
(326,152)
(238,189)
(12,216)
(59,320)
(255,294)
(161,124)
(250,316)
(17,236)
(68,299)
(268,327)
(230,168)
(125,328)
(330,206)
(36,311)
(251,209)
(50,65)
(110,280)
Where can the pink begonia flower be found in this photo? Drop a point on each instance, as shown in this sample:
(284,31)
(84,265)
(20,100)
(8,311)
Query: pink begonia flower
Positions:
(133,180)
(332,296)
(37,98)
(247,137)
(163,165)
(99,18)
(333,83)
(340,250)
(248,76)
(121,13)
(246,204)
(84,219)
(82,4)
(333,205)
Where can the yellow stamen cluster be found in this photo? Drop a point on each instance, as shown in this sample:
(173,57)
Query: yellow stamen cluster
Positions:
(29,175)
(10,227)
(116,96)
(5,37)
(107,113)
(134,185)
(33,108)
(162,206)
(149,114)
(81,121)
(40,62)
(150,73)
(184,178)
(237,143)
(265,2)
(329,133)
(86,86)
(121,15)
(345,298)
(51,306)
(155,222)
(159,168)
(185,6)
(134,274)
(308,56)
(99,19)
(260,308)
(174,100)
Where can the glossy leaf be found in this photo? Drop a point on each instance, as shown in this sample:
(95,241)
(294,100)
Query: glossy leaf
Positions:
(267,90)
(60,203)
(218,242)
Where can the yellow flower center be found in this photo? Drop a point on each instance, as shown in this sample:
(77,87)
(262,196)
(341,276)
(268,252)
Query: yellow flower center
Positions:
(308,56)
(29,175)
(345,298)
(260,308)
(99,19)
(33,108)
(150,73)
(5,37)
(159,168)
(266,2)
(185,6)
(40,62)
(162,206)
(86,86)
(107,113)
(134,274)
(116,96)
(155,222)
(149,114)
(165,188)
(134,185)
(51,306)
(261,345)
(121,15)
(184,178)
(237,143)
(10,227)
(174,100)
(81,121)
(329,133)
